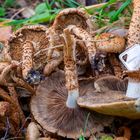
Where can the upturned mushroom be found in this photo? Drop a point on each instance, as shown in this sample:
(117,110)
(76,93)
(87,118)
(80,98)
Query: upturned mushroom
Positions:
(54,106)
(23,45)
(69,16)
(110,43)
(110,99)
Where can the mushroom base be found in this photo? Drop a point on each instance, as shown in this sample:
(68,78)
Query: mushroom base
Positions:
(72,98)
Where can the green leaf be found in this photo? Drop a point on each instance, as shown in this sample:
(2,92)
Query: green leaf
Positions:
(110,2)
(9,3)
(81,137)
(71,3)
(16,22)
(41,8)
(44,17)
(110,14)
(123,6)
(106,138)
(3,19)
(48,5)
(2,11)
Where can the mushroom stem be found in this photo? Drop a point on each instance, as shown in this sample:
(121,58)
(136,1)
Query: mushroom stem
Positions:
(133,89)
(70,69)
(133,34)
(27,58)
(90,45)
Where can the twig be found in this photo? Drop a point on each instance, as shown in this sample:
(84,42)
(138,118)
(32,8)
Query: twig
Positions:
(46,49)
(14,138)
(93,6)
(4,95)
(17,13)
(7,128)
(105,27)
(28,118)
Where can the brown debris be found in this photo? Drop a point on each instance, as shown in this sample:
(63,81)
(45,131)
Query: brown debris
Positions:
(4,108)
(32,132)
(5,33)
(126,134)
(115,64)
(14,114)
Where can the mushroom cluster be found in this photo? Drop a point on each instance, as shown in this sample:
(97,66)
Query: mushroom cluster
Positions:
(66,70)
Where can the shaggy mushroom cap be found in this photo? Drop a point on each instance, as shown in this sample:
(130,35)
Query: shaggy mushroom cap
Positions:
(111,99)
(110,43)
(49,108)
(72,16)
(34,34)
(69,16)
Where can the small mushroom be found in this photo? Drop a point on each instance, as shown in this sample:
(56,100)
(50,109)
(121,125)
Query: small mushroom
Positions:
(69,16)
(110,43)
(72,16)
(25,42)
(109,98)
(108,83)
(54,106)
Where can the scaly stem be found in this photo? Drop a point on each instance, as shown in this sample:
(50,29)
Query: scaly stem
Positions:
(27,58)
(134,28)
(90,45)
(70,69)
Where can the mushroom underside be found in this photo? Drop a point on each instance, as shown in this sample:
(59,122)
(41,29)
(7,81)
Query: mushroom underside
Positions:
(111,102)
(34,34)
(49,109)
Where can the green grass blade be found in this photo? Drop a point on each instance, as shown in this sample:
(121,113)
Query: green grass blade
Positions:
(123,6)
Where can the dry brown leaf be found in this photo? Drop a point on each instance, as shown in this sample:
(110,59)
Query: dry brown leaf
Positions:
(5,32)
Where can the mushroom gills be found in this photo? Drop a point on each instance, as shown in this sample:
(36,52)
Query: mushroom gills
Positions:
(110,99)
(55,104)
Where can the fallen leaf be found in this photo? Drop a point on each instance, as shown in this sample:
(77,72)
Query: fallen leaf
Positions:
(5,33)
